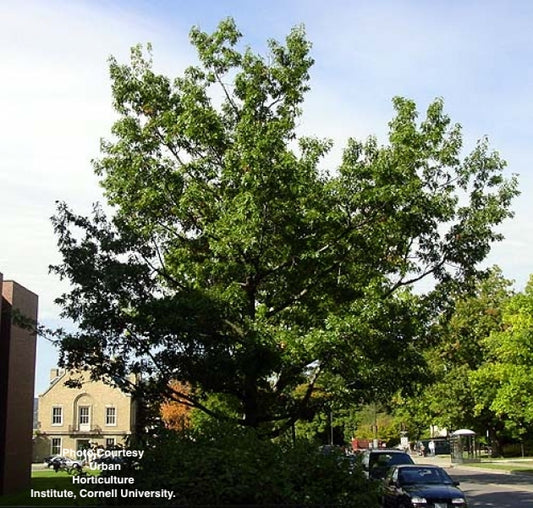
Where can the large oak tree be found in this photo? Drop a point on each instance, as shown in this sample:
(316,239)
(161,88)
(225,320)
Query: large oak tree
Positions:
(230,262)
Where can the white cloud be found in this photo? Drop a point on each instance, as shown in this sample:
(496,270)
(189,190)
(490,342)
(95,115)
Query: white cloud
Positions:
(56,105)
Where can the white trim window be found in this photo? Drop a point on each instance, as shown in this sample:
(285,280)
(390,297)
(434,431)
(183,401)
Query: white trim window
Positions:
(84,418)
(57,415)
(111,416)
(55,446)
(110,442)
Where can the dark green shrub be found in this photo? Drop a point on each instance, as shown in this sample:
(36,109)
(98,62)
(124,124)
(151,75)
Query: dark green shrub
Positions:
(229,466)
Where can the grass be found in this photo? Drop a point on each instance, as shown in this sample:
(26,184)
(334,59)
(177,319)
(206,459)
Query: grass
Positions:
(44,480)
(522,466)
(511,459)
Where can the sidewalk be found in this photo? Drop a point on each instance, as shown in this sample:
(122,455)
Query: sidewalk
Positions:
(438,460)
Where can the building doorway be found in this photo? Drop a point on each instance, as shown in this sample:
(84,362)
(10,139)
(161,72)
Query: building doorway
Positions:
(82,444)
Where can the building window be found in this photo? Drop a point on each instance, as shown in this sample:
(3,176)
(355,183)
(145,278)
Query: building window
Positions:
(83,415)
(110,415)
(56,446)
(57,415)
(110,442)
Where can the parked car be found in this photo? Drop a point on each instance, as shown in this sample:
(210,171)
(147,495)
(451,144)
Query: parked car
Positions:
(409,486)
(376,462)
(59,463)
(329,449)
(352,460)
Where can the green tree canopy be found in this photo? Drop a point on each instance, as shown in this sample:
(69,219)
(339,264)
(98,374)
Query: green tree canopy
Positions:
(455,397)
(233,263)
(504,383)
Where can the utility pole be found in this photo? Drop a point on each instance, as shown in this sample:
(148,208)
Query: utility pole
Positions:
(330,426)
(376,442)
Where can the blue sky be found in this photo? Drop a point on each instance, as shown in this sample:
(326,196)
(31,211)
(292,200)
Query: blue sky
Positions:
(56,103)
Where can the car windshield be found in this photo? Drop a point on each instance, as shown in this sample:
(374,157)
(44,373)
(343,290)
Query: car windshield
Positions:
(389,459)
(400,458)
(423,475)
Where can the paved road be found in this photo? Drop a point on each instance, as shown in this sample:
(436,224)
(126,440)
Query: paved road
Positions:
(486,489)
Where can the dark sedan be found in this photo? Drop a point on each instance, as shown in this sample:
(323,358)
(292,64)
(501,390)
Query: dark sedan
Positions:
(408,486)
(377,461)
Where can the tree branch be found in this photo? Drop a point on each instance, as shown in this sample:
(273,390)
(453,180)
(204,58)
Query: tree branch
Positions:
(226,93)
(193,402)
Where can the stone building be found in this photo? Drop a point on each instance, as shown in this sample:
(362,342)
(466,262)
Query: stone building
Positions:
(18,308)
(76,418)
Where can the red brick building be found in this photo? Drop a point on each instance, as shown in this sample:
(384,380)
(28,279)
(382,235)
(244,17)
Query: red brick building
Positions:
(17,377)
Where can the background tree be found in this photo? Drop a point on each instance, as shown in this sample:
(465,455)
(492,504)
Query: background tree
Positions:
(504,383)
(176,413)
(458,350)
(375,422)
(231,262)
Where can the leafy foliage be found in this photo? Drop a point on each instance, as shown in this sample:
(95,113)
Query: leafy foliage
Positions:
(175,413)
(373,422)
(462,351)
(504,383)
(224,465)
(232,263)
(456,397)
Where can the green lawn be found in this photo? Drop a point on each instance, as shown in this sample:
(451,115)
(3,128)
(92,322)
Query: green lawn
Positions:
(43,480)
(518,466)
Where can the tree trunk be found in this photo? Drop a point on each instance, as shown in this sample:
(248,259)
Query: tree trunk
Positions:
(495,443)
(251,406)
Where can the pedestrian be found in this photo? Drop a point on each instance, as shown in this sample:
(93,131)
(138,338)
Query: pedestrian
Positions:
(431,447)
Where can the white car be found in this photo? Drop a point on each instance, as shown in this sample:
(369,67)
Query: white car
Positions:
(59,462)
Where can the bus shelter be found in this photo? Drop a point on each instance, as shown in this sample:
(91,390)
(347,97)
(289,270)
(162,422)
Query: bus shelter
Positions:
(463,447)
